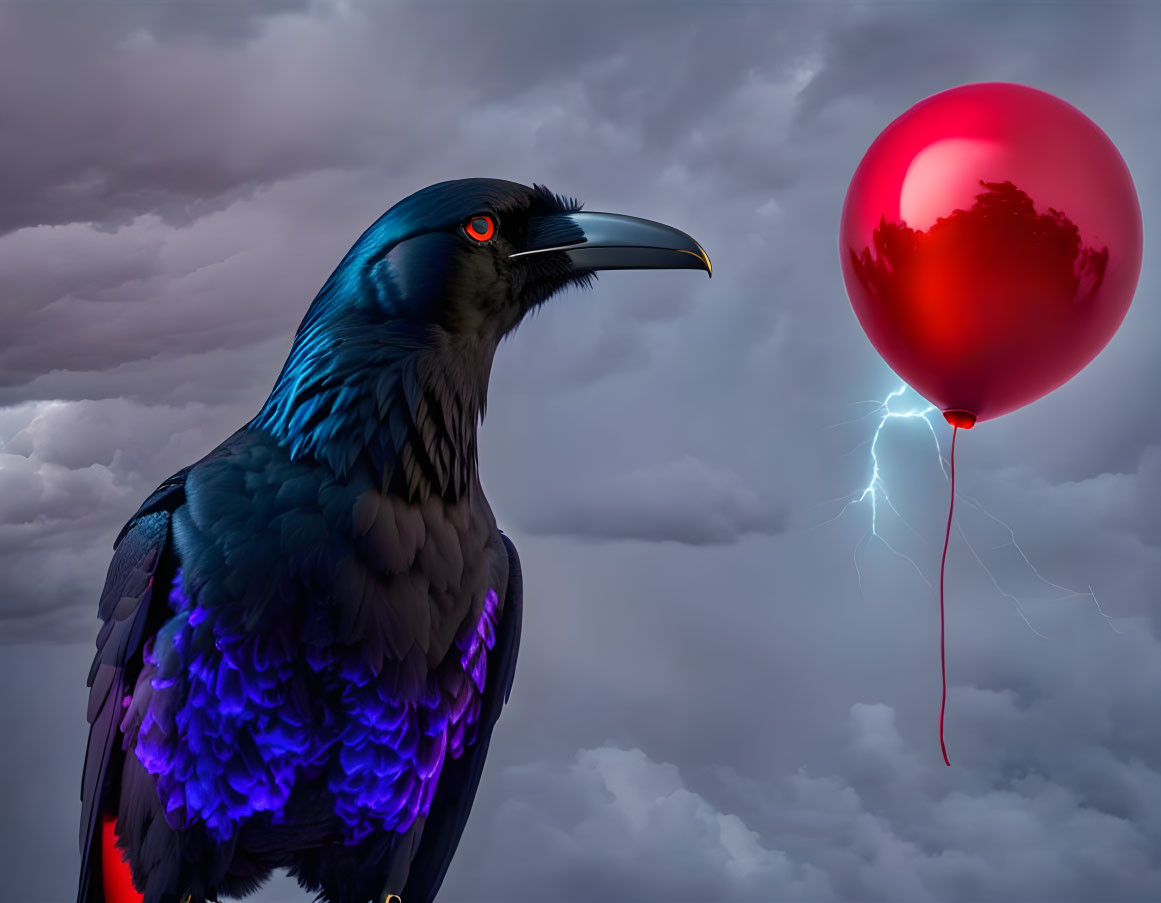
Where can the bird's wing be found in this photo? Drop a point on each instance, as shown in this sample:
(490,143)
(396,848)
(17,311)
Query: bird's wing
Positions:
(130,615)
(460,777)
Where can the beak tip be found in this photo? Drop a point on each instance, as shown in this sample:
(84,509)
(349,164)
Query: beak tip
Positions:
(701,256)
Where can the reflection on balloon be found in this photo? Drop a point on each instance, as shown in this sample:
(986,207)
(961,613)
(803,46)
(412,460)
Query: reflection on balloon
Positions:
(984,292)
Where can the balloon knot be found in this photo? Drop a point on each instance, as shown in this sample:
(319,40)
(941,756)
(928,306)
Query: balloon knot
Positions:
(964,419)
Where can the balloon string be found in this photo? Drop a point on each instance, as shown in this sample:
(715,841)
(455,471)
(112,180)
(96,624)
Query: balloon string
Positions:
(942,564)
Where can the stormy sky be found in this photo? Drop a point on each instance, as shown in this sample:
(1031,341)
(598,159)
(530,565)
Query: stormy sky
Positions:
(723,693)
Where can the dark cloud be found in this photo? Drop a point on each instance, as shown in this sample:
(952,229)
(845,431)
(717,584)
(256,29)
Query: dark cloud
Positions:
(71,473)
(614,824)
(148,293)
(869,58)
(887,825)
(683,501)
(131,97)
(730,696)
(226,22)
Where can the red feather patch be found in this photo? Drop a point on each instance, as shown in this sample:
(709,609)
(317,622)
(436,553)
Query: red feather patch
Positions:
(118,880)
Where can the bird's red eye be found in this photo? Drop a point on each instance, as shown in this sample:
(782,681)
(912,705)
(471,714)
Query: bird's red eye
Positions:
(480,227)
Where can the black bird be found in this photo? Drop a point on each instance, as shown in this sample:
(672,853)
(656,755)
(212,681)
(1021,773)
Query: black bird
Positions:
(309,633)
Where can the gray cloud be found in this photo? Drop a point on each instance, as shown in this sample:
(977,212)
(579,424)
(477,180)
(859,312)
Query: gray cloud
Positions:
(682,500)
(68,480)
(149,292)
(887,826)
(131,97)
(615,824)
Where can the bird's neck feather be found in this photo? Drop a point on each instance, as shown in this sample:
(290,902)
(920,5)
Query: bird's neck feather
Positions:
(405,405)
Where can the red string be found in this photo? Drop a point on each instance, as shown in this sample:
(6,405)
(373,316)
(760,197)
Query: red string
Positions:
(942,563)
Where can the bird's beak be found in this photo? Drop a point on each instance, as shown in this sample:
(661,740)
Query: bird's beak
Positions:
(610,241)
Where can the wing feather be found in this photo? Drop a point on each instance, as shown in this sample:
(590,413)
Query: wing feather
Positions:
(461,777)
(128,609)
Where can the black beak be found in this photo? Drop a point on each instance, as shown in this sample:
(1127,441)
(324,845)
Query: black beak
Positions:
(610,241)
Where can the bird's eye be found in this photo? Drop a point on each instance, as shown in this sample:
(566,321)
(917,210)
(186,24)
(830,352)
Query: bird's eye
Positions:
(480,227)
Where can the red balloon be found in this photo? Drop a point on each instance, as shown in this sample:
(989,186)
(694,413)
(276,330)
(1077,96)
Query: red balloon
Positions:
(990,243)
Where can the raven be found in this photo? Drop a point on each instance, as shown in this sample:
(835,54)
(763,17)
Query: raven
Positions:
(309,634)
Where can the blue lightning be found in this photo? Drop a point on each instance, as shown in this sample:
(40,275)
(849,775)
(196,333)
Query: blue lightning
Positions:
(876,484)
(876,490)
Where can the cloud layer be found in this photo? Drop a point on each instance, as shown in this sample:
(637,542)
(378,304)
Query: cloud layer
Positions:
(724,690)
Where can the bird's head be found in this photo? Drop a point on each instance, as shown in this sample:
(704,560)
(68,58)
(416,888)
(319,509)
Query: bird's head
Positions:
(412,316)
(471,257)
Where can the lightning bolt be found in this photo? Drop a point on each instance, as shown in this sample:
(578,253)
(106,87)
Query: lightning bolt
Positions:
(875,492)
(876,488)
